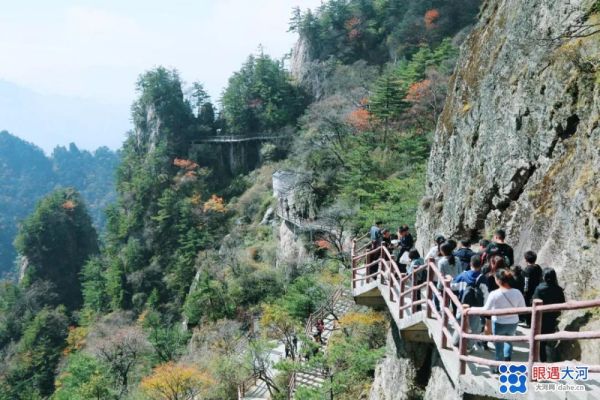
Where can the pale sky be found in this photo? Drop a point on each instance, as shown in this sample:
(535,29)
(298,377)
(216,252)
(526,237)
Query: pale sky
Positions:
(96,49)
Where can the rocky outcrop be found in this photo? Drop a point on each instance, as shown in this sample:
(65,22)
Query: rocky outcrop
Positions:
(439,385)
(299,59)
(517,143)
(291,247)
(397,376)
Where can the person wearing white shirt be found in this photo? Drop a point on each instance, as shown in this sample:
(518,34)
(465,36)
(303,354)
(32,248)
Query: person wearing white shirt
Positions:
(505,325)
(434,252)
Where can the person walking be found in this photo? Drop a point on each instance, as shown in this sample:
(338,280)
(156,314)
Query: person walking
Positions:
(470,285)
(499,246)
(435,253)
(505,325)
(464,254)
(448,266)
(532,275)
(550,293)
(405,243)
(376,236)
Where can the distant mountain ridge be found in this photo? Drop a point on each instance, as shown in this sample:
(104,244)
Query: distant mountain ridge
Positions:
(27,174)
(38,117)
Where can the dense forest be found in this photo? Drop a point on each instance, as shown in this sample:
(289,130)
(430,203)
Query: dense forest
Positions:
(27,174)
(169,296)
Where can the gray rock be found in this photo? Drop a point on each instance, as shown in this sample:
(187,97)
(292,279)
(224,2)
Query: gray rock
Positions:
(395,375)
(269,217)
(517,143)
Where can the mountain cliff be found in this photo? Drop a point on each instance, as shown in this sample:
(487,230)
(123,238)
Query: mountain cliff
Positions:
(517,143)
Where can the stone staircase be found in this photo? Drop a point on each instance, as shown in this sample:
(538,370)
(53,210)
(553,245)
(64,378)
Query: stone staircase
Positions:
(312,377)
(309,376)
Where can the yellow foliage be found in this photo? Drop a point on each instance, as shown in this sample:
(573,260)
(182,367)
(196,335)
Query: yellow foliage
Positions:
(176,382)
(75,339)
(196,199)
(215,203)
(369,318)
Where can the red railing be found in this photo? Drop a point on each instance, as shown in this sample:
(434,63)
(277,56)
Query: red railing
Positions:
(393,283)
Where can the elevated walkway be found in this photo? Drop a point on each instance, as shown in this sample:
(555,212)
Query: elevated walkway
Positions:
(240,138)
(378,283)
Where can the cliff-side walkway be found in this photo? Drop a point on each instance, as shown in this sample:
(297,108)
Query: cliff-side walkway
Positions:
(377,282)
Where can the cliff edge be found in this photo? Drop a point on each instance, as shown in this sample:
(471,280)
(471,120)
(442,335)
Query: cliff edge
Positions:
(518,143)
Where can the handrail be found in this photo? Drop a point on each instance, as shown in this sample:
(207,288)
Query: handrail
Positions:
(401,286)
(321,312)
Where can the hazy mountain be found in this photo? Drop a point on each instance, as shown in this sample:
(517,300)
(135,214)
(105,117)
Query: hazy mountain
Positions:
(26,175)
(50,120)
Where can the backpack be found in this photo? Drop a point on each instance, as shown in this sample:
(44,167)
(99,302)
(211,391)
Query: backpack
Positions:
(473,295)
(494,248)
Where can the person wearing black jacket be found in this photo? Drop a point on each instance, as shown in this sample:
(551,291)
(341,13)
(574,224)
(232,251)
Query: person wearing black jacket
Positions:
(550,293)
(532,275)
(405,244)
(500,247)
(464,254)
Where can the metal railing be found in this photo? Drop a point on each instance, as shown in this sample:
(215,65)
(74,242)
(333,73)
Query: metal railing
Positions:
(322,312)
(393,283)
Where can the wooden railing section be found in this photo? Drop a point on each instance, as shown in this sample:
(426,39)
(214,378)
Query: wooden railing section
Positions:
(402,286)
(322,312)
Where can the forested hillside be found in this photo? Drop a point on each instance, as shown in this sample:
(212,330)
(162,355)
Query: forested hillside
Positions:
(194,284)
(26,175)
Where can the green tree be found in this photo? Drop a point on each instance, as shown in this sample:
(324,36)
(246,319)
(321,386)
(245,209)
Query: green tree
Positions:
(56,241)
(37,355)
(84,378)
(95,295)
(261,97)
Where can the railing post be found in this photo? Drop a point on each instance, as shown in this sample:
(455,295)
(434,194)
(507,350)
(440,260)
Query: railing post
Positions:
(429,292)
(444,306)
(353,265)
(464,328)
(401,296)
(381,254)
(536,328)
(390,283)
(413,297)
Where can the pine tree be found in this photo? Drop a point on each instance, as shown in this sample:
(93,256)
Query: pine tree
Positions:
(55,242)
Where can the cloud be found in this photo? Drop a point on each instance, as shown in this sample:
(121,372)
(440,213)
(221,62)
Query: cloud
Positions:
(98,23)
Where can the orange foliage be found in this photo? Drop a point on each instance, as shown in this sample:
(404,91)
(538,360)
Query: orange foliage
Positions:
(68,205)
(322,244)
(430,17)
(185,164)
(215,203)
(352,26)
(418,90)
(176,382)
(359,119)
(352,23)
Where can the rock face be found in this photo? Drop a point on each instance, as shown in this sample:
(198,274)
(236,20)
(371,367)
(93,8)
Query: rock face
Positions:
(291,247)
(439,385)
(517,144)
(396,374)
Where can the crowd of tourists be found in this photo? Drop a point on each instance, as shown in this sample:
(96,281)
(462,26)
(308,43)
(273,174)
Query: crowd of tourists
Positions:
(485,279)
